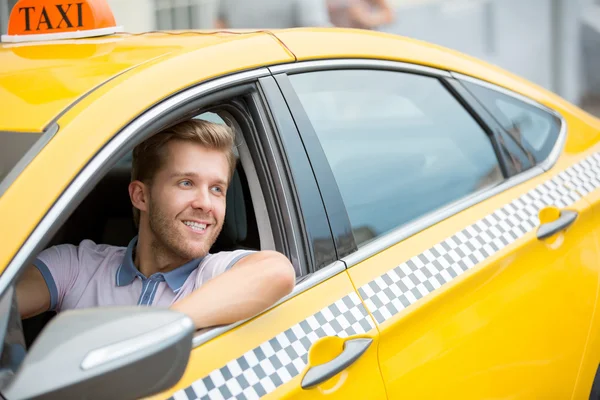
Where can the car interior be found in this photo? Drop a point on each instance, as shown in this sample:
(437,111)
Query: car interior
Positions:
(106,216)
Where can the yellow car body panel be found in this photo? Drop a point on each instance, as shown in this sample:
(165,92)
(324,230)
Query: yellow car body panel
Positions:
(494,330)
(508,304)
(361,380)
(514,326)
(589,362)
(41,80)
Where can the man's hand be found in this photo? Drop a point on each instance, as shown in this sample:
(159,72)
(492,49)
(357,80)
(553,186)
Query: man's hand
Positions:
(253,284)
(33,296)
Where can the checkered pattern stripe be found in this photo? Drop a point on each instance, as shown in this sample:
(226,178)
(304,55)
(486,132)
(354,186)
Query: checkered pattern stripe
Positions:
(402,286)
(278,360)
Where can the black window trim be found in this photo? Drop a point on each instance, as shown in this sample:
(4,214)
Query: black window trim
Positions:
(336,213)
(271,178)
(407,230)
(318,241)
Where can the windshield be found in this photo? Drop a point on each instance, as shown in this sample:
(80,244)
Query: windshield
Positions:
(13,146)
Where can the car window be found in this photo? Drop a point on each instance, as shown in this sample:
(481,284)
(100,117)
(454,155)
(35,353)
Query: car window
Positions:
(13,146)
(400,145)
(535,129)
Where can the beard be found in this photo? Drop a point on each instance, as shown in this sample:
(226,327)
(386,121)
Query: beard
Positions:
(171,240)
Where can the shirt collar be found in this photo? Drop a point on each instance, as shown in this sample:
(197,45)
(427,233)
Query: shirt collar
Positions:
(127,271)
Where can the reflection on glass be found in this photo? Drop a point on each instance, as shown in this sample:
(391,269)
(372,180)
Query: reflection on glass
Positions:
(400,146)
(13,146)
(533,129)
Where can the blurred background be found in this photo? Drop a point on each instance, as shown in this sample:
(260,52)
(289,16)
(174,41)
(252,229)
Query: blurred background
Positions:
(554,43)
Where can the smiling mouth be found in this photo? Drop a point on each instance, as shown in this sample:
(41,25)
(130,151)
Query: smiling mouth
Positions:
(196,226)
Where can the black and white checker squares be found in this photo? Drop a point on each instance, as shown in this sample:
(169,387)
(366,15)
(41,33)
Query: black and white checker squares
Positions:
(402,286)
(278,360)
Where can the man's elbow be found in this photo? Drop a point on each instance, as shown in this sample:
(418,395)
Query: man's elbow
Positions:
(281,274)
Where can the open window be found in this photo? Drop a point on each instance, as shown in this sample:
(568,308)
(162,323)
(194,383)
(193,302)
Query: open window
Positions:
(105,215)
(252,221)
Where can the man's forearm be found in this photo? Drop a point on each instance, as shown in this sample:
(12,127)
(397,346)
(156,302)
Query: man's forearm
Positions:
(249,288)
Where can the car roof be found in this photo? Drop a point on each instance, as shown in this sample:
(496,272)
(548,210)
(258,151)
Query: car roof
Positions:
(40,81)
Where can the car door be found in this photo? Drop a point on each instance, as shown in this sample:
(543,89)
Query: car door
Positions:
(528,123)
(473,297)
(319,341)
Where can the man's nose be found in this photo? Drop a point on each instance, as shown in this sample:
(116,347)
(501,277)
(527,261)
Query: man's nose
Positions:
(202,201)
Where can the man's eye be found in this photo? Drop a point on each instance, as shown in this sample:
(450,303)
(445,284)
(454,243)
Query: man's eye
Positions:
(217,189)
(185,184)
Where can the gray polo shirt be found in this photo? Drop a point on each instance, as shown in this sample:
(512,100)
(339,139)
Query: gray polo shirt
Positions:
(273,14)
(96,275)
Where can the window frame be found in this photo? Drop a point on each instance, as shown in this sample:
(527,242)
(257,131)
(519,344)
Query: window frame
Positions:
(264,146)
(449,79)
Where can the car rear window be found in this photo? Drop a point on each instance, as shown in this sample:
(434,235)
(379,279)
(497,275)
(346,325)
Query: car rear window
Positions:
(13,147)
(533,128)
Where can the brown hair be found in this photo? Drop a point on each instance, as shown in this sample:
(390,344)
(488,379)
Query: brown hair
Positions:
(148,156)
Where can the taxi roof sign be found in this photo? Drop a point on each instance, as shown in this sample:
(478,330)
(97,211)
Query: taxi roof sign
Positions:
(38,20)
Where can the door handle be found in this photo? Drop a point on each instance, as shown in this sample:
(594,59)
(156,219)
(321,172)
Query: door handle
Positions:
(353,349)
(567,217)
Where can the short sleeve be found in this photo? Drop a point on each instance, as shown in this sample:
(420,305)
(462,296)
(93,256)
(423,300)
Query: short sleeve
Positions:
(59,265)
(215,264)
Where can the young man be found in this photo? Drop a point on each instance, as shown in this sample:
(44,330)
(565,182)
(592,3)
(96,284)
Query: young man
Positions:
(178,187)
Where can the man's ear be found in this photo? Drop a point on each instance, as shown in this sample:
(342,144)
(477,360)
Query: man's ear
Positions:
(138,195)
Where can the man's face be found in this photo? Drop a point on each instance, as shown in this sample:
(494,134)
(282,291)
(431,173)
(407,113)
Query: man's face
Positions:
(186,206)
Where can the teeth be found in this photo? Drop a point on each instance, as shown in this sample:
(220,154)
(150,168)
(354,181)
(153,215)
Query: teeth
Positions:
(195,225)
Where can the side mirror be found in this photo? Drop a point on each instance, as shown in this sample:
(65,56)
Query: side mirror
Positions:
(105,353)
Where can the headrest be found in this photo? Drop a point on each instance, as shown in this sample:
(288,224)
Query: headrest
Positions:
(235,226)
(236,223)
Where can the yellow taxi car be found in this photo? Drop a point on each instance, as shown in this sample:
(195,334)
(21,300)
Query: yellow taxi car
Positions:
(442,215)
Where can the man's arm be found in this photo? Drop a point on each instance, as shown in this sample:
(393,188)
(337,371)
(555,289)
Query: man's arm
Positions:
(253,284)
(33,296)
